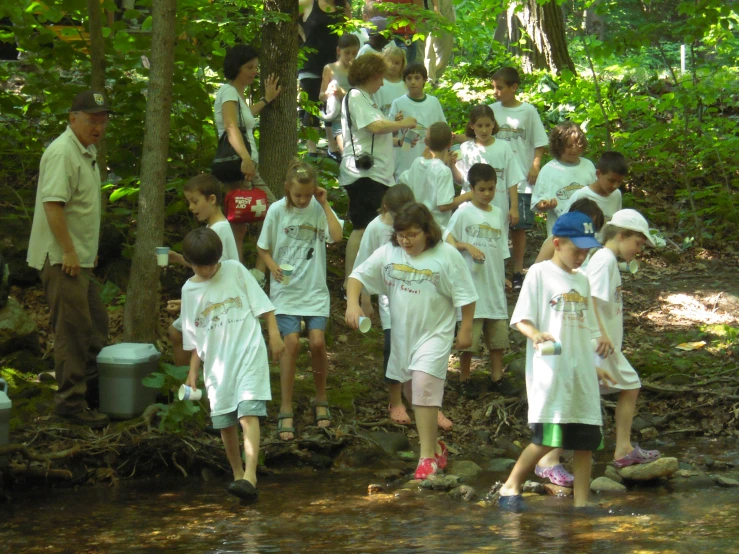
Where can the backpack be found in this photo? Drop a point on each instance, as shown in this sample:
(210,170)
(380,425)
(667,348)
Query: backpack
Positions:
(4,281)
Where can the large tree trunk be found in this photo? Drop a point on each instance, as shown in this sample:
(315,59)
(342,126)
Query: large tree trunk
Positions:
(278,129)
(97,75)
(141,314)
(547,43)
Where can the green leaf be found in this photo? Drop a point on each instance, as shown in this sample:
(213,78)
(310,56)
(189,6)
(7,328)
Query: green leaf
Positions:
(154,381)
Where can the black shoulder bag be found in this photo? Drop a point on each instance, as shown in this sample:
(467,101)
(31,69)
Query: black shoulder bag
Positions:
(226,166)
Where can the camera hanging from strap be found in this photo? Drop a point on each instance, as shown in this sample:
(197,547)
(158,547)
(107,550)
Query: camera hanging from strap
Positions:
(349,120)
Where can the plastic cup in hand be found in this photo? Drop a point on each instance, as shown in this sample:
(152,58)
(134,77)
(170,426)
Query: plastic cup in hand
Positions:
(410,136)
(365,324)
(187,393)
(162,256)
(549,348)
(287,274)
(629,267)
(477,266)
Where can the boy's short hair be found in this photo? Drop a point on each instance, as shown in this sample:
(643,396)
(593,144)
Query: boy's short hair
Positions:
(613,162)
(440,137)
(416,215)
(508,75)
(202,247)
(364,68)
(611,231)
(416,68)
(235,58)
(347,40)
(395,198)
(206,185)
(559,136)
(481,172)
(590,208)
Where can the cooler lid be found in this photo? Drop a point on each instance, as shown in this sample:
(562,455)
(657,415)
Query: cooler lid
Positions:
(128,353)
(5,403)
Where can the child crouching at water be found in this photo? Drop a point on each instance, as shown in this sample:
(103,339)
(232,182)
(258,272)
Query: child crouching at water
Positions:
(425,280)
(220,307)
(564,404)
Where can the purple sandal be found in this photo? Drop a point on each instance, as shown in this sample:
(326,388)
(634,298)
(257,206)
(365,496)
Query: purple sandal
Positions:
(558,475)
(637,456)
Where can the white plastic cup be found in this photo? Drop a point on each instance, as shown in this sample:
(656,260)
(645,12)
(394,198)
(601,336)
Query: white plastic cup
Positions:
(162,256)
(630,267)
(594,343)
(186,393)
(365,324)
(287,273)
(410,136)
(549,348)
(477,265)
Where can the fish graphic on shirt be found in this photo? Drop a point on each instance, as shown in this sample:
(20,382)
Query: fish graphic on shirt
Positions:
(409,274)
(305,232)
(212,311)
(565,193)
(569,302)
(507,132)
(483,231)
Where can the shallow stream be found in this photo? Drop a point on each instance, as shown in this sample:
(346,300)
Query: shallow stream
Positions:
(309,511)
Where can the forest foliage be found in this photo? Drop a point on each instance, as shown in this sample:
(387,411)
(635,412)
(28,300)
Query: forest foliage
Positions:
(679,129)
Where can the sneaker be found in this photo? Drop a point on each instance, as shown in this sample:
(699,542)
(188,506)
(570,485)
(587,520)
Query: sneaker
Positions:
(517,281)
(504,388)
(426,468)
(87,417)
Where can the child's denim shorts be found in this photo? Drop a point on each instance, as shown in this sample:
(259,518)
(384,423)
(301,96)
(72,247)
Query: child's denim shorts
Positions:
(288,324)
(246,408)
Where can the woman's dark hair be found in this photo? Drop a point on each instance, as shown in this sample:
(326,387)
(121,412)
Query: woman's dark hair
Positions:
(416,215)
(395,198)
(347,40)
(479,112)
(590,209)
(235,58)
(202,247)
(207,185)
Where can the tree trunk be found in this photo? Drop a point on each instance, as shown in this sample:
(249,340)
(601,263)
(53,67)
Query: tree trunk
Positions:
(547,48)
(141,314)
(97,75)
(278,131)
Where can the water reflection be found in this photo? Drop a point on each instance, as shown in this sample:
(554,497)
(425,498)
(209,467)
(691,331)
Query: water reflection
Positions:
(332,513)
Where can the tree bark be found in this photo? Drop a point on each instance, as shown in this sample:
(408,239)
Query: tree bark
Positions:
(97,74)
(547,44)
(278,129)
(141,314)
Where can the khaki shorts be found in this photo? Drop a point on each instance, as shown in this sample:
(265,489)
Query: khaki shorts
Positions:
(493,331)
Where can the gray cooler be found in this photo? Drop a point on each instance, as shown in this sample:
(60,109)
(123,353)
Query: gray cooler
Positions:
(121,368)
(5,405)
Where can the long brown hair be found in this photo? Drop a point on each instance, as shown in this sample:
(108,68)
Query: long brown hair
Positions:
(416,215)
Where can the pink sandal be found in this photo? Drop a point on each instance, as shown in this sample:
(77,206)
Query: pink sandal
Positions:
(441,459)
(399,414)
(444,422)
(557,475)
(637,456)
(426,468)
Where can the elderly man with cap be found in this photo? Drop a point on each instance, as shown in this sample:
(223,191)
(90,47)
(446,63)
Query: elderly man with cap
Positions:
(63,247)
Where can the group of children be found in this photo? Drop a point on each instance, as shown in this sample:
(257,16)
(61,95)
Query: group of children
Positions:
(437,261)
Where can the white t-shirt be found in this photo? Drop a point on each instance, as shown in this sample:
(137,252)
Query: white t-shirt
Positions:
(376,234)
(298,237)
(364,112)
(387,93)
(522,128)
(609,205)
(507,168)
(561,181)
(432,184)
(226,234)
(228,93)
(219,320)
(605,285)
(482,230)
(366,48)
(424,291)
(563,388)
(427,112)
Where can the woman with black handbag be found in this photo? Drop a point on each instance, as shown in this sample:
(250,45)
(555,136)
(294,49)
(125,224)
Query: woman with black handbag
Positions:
(235,123)
(368,164)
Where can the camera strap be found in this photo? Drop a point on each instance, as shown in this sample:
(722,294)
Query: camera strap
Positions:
(349,121)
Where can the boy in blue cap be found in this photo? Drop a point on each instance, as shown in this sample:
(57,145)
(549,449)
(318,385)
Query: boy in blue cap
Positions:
(561,381)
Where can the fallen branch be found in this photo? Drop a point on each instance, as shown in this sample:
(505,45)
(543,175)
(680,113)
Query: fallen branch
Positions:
(40,473)
(28,455)
(178,466)
(381,423)
(678,431)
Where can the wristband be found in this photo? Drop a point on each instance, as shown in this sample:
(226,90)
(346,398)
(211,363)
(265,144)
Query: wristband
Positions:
(263,99)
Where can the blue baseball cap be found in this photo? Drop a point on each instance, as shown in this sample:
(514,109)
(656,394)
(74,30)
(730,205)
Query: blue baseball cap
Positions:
(577,227)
